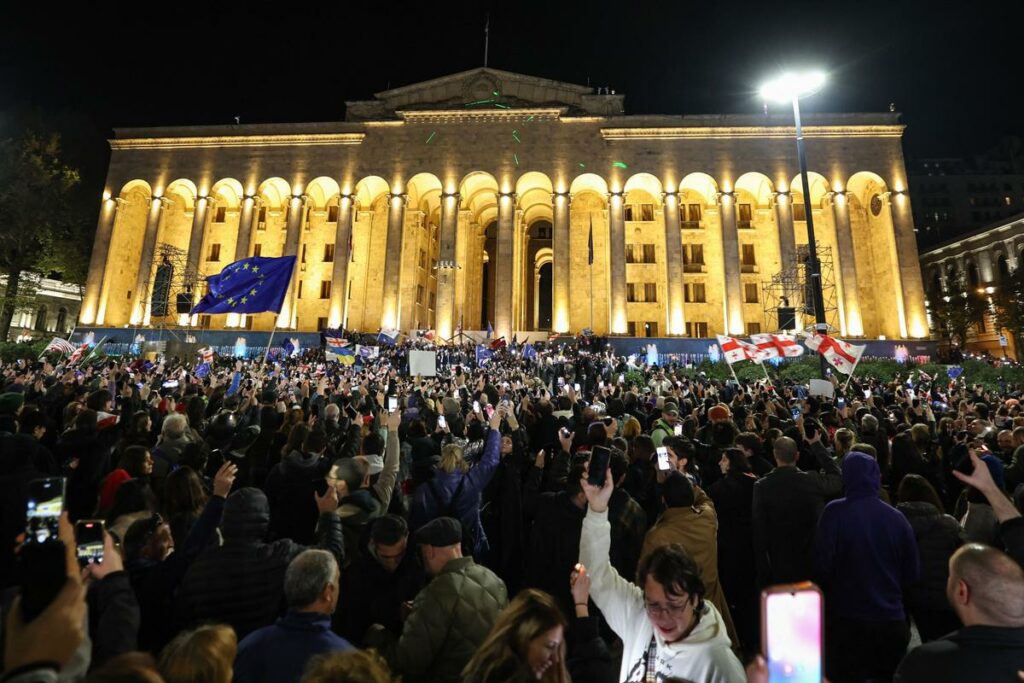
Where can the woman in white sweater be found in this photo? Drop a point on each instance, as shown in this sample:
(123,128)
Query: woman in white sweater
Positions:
(667,628)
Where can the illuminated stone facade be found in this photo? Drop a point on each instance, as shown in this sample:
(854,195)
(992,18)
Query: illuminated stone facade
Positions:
(474,198)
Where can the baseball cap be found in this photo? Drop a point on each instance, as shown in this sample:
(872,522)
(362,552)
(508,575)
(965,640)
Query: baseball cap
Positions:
(440,532)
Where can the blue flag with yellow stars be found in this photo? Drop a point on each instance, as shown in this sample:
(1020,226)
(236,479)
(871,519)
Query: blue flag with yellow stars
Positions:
(252,285)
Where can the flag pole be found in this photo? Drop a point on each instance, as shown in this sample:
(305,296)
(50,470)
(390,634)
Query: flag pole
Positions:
(765,372)
(852,370)
(266,354)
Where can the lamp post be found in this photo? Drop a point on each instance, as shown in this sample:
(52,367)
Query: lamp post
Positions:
(790,87)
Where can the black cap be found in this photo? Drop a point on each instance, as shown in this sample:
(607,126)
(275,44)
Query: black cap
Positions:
(440,533)
(268,396)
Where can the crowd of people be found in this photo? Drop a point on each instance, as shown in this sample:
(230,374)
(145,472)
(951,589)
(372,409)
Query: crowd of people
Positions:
(304,520)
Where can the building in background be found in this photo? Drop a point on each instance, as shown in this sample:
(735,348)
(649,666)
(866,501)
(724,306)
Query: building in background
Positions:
(489,197)
(50,310)
(976,263)
(953,196)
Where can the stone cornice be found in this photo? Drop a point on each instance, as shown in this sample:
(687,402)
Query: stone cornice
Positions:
(486,115)
(719,132)
(302,140)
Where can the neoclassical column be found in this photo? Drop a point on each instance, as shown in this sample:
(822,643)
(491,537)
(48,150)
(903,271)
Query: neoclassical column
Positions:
(674,264)
(560,261)
(92,302)
(445,301)
(854,322)
(139,294)
(787,235)
(913,322)
(731,263)
(293,226)
(246,224)
(393,261)
(195,240)
(617,253)
(503,267)
(339,274)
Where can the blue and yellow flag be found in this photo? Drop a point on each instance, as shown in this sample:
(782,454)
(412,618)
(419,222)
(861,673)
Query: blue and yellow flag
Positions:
(252,285)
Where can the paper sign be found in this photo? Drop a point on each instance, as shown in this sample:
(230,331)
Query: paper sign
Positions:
(423,363)
(821,387)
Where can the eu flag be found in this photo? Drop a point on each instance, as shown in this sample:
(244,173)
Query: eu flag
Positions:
(252,285)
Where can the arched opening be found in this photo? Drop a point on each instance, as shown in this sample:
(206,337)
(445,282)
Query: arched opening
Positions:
(40,325)
(62,320)
(1003,268)
(544,299)
(487,276)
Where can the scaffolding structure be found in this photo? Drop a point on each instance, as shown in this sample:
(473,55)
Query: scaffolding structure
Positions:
(183,280)
(791,288)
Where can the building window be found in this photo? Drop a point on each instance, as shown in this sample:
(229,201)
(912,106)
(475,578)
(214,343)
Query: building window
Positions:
(204,322)
(328,253)
(647,212)
(745,217)
(62,319)
(748,262)
(650,292)
(627,212)
(303,260)
(257,249)
(321,324)
(693,258)
(753,328)
(544,232)
(631,292)
(40,325)
(750,292)
(649,256)
(220,214)
(299,291)
(651,328)
(306,216)
(419,294)
(349,290)
(325,289)
(261,221)
(800,211)
(696,329)
(332,214)
(689,216)
(693,293)
(423,259)
(214,253)
(431,301)
(640,253)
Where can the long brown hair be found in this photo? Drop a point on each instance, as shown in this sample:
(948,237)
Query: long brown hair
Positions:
(530,615)
(204,655)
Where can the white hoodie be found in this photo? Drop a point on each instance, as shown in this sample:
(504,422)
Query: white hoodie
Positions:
(702,657)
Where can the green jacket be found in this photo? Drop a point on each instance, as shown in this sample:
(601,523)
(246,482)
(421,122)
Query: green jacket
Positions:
(660,430)
(450,619)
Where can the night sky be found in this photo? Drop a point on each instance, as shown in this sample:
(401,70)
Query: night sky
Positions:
(955,75)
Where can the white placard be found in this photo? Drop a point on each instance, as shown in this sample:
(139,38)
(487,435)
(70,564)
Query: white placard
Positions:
(821,387)
(423,363)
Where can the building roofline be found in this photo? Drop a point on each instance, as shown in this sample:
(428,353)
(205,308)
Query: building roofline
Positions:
(1005,223)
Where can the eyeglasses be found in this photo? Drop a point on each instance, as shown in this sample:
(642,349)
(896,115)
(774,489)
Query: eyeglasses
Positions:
(674,611)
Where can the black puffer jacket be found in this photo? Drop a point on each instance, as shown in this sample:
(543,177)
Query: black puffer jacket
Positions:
(938,536)
(241,582)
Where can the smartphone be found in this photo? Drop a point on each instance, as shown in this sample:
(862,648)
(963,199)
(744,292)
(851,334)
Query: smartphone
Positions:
(441,422)
(840,402)
(89,541)
(678,429)
(476,406)
(170,384)
(867,393)
(622,379)
(45,505)
(392,404)
(795,410)
(576,387)
(663,463)
(792,632)
(598,469)
(488,411)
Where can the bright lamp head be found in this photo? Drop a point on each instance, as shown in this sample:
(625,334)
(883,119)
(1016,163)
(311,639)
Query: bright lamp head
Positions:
(793,85)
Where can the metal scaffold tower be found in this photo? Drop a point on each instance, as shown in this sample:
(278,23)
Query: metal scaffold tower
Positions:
(791,288)
(172,276)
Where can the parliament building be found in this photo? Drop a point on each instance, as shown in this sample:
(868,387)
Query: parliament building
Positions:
(489,197)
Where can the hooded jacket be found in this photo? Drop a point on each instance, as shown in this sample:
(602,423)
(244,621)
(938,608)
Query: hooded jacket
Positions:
(865,551)
(241,582)
(290,489)
(938,536)
(702,657)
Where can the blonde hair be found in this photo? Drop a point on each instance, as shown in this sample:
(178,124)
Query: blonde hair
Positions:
(352,666)
(844,442)
(631,429)
(204,655)
(530,615)
(452,460)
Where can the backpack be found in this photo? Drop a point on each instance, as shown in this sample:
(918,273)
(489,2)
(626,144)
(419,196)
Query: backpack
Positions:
(450,510)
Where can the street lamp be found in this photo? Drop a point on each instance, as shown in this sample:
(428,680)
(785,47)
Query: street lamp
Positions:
(790,87)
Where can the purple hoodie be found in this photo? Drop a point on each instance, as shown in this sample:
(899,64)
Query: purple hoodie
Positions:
(865,551)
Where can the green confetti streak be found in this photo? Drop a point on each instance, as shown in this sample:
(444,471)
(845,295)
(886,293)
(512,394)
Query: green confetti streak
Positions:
(582,165)
(619,164)
(503,106)
(470,104)
(515,157)
(432,134)
(530,119)
(515,136)
(495,93)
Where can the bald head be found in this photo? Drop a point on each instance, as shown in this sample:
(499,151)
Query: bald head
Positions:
(785,450)
(986,587)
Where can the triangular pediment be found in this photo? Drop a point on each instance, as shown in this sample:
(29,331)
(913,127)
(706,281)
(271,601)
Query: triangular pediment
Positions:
(485,87)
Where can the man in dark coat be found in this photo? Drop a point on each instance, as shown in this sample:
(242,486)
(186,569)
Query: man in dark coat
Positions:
(986,589)
(240,583)
(786,507)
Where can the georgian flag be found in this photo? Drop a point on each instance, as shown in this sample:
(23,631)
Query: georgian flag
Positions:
(777,345)
(841,355)
(736,350)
